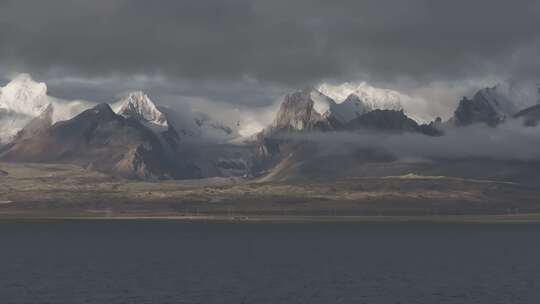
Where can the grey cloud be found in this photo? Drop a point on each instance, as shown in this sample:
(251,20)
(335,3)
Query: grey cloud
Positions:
(167,91)
(275,41)
(249,52)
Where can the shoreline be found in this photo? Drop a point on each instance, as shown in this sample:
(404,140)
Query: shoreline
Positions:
(439,219)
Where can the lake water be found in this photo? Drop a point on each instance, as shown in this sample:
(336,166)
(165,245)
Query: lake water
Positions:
(176,262)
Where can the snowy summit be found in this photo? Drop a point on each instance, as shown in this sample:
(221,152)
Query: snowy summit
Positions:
(23,95)
(139,106)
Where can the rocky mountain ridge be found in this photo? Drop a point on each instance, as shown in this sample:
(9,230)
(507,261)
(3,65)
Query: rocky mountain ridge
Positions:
(99,139)
(136,138)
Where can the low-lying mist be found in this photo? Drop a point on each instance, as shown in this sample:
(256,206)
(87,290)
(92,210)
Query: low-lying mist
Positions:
(509,141)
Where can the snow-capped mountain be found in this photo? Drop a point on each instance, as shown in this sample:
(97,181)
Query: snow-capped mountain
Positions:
(311,109)
(341,113)
(351,108)
(102,140)
(372,97)
(356,99)
(24,96)
(23,99)
(190,126)
(139,106)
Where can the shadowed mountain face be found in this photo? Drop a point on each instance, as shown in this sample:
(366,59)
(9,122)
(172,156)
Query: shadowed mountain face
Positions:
(384,120)
(487,106)
(530,116)
(391,121)
(100,139)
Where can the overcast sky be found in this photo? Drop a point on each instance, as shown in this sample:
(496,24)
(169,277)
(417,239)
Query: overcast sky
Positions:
(248,52)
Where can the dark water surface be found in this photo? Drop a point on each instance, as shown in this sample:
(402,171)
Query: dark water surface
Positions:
(175,262)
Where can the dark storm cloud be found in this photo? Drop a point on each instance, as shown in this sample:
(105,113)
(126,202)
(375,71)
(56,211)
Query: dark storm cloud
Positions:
(283,42)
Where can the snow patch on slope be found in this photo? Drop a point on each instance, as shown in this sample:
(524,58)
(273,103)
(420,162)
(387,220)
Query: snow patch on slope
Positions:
(349,109)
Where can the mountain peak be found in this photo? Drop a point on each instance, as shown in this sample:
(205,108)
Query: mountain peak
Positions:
(23,95)
(139,106)
(497,99)
(303,110)
(384,120)
(349,109)
(100,112)
(488,105)
(102,108)
(96,138)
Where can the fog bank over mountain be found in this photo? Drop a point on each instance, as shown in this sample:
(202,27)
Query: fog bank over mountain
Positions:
(509,141)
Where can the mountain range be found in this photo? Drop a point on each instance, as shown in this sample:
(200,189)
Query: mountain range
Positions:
(137,139)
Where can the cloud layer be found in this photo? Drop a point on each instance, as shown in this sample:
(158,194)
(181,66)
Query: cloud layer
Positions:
(249,52)
(279,41)
(509,141)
